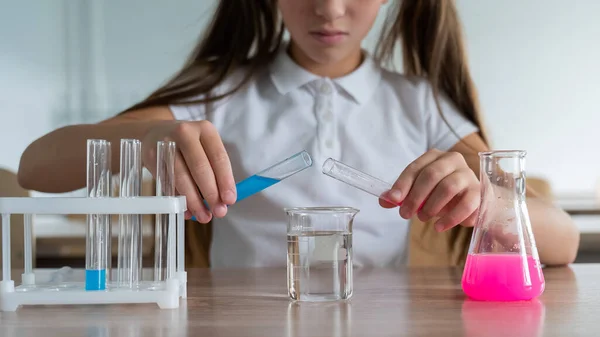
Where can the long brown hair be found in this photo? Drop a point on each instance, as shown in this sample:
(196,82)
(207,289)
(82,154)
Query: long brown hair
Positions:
(429,31)
(433,47)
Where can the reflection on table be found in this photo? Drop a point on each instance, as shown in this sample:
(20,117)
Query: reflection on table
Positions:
(386,302)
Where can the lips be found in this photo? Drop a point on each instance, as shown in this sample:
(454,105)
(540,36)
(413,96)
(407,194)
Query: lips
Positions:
(329,36)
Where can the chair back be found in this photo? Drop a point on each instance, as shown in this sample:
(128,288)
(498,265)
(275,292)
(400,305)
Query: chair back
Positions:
(9,187)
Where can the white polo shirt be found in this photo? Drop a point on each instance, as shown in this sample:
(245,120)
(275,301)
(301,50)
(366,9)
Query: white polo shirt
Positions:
(372,119)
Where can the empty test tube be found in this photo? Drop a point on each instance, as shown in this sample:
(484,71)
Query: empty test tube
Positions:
(129,268)
(28,276)
(357,179)
(6,248)
(360,180)
(98,231)
(165,187)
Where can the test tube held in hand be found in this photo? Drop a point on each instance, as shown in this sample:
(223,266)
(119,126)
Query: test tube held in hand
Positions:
(271,176)
(165,187)
(98,230)
(361,180)
(129,268)
(356,178)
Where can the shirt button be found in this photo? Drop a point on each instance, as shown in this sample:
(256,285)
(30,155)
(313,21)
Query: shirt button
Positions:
(328,116)
(329,143)
(325,88)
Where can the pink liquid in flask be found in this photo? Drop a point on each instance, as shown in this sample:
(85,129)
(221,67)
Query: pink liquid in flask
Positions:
(502,277)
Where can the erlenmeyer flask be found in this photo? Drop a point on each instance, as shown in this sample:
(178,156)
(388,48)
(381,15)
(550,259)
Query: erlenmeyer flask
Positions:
(503,262)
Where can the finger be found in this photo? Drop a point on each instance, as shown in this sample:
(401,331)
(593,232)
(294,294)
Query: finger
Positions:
(427,179)
(444,192)
(386,198)
(149,158)
(403,184)
(186,186)
(386,204)
(467,205)
(471,220)
(201,172)
(221,165)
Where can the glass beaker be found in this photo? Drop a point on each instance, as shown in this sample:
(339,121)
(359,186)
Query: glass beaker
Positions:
(319,257)
(503,262)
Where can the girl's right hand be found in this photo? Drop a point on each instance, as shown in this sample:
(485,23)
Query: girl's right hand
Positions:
(202,166)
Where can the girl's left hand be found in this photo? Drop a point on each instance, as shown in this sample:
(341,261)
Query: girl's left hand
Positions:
(437,184)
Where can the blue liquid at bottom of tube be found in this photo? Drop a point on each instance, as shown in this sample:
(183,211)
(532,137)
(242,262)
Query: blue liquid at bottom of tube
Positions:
(253,184)
(250,186)
(95,279)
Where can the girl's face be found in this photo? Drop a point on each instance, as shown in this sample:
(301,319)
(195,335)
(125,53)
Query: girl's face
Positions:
(328,32)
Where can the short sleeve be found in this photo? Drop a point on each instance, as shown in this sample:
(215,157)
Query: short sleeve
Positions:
(188,112)
(444,132)
(201,111)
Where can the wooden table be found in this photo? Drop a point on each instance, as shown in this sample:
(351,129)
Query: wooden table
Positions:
(404,302)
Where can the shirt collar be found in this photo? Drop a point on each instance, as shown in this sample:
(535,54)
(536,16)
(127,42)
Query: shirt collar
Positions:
(362,82)
(287,76)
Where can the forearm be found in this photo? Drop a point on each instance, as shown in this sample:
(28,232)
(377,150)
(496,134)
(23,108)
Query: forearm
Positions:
(556,235)
(56,162)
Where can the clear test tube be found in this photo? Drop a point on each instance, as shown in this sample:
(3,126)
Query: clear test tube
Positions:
(98,231)
(28,277)
(129,259)
(6,269)
(358,179)
(165,187)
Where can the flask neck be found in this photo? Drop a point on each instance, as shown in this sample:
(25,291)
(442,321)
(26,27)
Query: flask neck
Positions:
(504,172)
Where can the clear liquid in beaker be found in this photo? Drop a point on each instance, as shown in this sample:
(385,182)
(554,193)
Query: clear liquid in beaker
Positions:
(320,266)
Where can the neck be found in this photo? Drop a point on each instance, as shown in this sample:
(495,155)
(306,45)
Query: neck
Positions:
(338,69)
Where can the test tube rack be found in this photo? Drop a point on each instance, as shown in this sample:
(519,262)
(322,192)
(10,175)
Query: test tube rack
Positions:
(164,293)
(165,288)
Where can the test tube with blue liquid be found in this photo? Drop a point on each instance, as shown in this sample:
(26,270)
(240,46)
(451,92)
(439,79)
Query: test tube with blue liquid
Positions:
(272,175)
(98,230)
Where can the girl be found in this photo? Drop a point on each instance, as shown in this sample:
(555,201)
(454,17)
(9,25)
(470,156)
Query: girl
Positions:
(246,99)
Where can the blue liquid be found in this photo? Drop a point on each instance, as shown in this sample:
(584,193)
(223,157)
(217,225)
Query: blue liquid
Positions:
(250,186)
(95,279)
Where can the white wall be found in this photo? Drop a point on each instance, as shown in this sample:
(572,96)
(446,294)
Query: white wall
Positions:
(537,64)
(146,42)
(534,62)
(57,69)
(32,73)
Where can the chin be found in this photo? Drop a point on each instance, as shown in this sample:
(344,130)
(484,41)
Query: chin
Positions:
(329,55)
